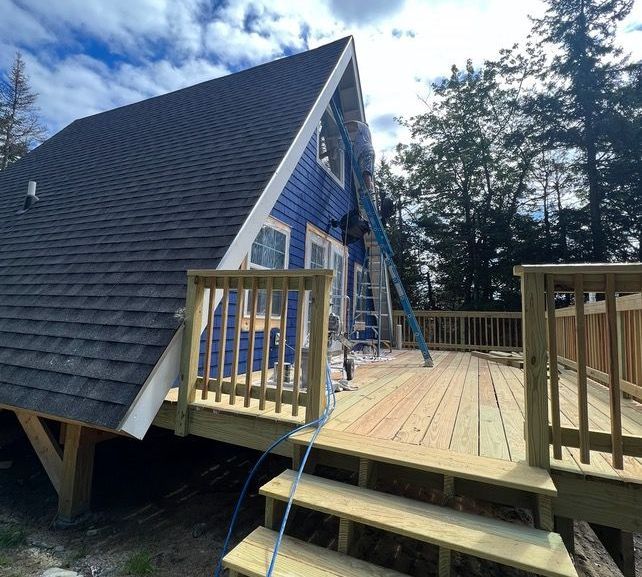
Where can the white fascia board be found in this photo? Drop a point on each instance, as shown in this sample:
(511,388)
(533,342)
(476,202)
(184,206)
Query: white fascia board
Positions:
(150,398)
(143,410)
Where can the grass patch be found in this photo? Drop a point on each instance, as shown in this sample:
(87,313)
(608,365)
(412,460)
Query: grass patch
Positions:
(12,536)
(139,564)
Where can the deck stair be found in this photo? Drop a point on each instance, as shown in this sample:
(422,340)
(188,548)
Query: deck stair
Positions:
(536,550)
(252,558)
(458,465)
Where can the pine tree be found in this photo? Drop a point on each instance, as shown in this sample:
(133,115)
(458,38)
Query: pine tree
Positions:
(581,80)
(20,126)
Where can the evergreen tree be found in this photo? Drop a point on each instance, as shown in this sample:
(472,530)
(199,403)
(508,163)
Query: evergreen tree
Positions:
(20,127)
(581,81)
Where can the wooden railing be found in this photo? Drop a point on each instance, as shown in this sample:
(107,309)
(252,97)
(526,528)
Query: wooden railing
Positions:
(239,359)
(629,330)
(465,330)
(545,334)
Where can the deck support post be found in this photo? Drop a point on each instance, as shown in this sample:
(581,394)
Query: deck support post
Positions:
(566,528)
(366,473)
(346,535)
(544,513)
(535,370)
(445,555)
(619,545)
(190,351)
(77,473)
(274,511)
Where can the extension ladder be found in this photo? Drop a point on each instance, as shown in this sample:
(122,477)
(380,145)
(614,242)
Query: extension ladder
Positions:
(381,237)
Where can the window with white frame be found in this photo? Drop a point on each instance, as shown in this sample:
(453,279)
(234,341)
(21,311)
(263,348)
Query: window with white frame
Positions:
(270,251)
(330,149)
(323,251)
(358,300)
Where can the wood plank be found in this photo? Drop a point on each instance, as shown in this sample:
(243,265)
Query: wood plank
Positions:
(511,415)
(552,362)
(189,352)
(440,430)
(390,424)
(492,437)
(252,556)
(465,437)
(614,373)
(77,473)
(443,461)
(416,426)
(580,344)
(535,374)
(522,547)
(45,445)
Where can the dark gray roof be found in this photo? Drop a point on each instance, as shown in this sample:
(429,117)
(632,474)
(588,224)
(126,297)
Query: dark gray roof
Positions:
(92,277)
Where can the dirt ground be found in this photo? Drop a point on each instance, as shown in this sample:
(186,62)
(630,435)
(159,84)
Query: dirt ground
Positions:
(161,507)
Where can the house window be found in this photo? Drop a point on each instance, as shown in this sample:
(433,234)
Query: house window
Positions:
(330,150)
(358,299)
(323,251)
(269,252)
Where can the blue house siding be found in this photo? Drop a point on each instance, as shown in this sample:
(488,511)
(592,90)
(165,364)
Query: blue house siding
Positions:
(310,196)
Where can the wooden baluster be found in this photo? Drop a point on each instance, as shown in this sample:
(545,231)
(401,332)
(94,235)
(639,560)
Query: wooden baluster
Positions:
(222,341)
(282,329)
(300,309)
(209,333)
(552,363)
(614,373)
(240,305)
(582,388)
(250,345)
(265,364)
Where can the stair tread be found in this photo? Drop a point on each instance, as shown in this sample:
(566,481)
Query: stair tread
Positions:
(252,557)
(483,469)
(521,547)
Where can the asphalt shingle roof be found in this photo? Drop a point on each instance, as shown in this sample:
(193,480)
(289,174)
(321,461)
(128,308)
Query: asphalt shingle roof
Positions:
(92,278)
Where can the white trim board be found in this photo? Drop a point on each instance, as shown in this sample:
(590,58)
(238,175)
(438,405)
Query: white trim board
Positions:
(150,398)
(143,410)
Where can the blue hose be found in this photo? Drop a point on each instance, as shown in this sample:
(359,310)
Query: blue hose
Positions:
(318,423)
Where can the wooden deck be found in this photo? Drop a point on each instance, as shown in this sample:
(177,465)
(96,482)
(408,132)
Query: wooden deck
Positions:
(472,406)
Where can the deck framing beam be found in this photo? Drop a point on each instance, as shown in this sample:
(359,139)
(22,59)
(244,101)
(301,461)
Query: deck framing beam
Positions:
(69,464)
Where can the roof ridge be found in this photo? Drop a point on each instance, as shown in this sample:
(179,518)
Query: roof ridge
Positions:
(301,54)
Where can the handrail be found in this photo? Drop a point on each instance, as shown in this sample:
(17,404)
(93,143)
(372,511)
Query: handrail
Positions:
(222,307)
(548,332)
(465,330)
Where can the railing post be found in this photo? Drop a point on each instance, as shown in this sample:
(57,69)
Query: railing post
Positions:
(318,352)
(190,351)
(535,377)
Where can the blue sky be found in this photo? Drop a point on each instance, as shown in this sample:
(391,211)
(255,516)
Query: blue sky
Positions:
(86,56)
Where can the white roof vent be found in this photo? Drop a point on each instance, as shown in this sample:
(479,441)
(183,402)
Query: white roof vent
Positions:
(30,199)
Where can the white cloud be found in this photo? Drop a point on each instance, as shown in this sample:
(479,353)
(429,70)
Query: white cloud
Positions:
(154,46)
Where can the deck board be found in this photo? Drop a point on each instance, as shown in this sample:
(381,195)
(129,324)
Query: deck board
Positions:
(469,405)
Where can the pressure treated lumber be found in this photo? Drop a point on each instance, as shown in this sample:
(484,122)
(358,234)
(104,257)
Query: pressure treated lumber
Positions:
(483,469)
(45,445)
(533,550)
(77,473)
(252,556)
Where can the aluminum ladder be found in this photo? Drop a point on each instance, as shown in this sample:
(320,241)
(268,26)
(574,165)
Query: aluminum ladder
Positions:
(381,237)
